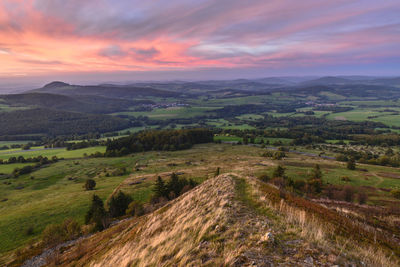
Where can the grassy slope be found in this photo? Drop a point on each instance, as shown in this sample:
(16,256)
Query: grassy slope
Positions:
(51,197)
(59,152)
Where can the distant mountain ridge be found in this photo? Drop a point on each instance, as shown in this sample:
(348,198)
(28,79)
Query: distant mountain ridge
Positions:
(112,91)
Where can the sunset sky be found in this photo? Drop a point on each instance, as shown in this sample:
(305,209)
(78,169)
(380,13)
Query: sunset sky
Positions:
(196,39)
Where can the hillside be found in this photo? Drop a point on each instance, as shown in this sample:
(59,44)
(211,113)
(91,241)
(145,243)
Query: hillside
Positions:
(55,122)
(112,91)
(81,103)
(227,220)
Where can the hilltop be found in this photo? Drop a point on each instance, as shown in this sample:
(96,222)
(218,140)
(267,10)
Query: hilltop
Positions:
(227,220)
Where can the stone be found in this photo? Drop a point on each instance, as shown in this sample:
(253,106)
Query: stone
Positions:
(309,260)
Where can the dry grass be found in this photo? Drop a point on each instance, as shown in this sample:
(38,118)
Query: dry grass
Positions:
(326,233)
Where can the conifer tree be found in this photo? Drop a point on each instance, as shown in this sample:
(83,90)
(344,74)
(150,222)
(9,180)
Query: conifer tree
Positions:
(160,188)
(97,214)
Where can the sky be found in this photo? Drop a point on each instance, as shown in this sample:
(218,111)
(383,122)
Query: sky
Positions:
(127,40)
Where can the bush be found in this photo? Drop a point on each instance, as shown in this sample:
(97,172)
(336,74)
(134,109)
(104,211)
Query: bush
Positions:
(135,209)
(52,235)
(314,186)
(279,182)
(316,172)
(299,184)
(348,193)
(362,198)
(264,177)
(351,164)
(29,230)
(279,172)
(90,184)
(278,155)
(395,193)
(345,179)
(55,234)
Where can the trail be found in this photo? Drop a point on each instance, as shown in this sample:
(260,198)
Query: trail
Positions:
(379,178)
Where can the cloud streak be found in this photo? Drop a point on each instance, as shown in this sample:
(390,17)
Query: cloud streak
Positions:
(105,35)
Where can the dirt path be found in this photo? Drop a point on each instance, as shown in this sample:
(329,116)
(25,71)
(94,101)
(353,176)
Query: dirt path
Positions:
(379,178)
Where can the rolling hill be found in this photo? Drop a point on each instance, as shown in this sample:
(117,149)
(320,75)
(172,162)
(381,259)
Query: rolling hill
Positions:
(74,103)
(228,220)
(111,91)
(55,122)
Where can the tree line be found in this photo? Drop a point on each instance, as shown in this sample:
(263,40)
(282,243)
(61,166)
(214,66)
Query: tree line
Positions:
(158,140)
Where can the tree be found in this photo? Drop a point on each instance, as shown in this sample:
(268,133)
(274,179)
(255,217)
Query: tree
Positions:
(90,184)
(279,172)
(316,172)
(160,188)
(118,204)
(174,185)
(97,214)
(351,164)
(217,171)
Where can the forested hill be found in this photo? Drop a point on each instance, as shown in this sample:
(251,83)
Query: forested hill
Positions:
(159,140)
(82,103)
(113,91)
(54,122)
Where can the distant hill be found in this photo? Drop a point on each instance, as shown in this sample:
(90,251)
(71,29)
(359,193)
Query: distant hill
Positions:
(387,81)
(81,103)
(111,91)
(55,122)
(327,81)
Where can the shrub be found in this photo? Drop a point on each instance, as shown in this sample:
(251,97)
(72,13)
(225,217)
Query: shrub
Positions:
(278,155)
(52,235)
(279,172)
(314,186)
(348,193)
(362,198)
(279,182)
(395,193)
(351,164)
(264,177)
(316,172)
(267,154)
(90,184)
(29,230)
(71,228)
(135,209)
(345,178)
(299,184)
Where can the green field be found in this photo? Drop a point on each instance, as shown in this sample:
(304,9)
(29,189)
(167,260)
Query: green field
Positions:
(172,112)
(56,192)
(59,152)
(373,114)
(8,168)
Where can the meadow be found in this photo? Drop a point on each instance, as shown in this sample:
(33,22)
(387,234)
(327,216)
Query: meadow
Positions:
(56,192)
(170,113)
(58,152)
